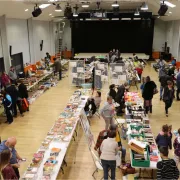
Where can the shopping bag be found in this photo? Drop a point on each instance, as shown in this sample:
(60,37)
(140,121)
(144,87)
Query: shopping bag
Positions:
(26,103)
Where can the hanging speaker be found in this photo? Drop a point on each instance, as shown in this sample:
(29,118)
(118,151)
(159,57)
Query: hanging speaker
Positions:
(41,45)
(163,9)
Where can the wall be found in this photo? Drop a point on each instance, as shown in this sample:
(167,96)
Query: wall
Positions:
(41,31)
(17,33)
(159,35)
(67,36)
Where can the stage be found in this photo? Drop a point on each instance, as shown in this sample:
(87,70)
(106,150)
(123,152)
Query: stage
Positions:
(103,55)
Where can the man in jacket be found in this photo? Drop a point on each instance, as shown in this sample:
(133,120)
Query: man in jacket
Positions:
(178,87)
(57,67)
(13,92)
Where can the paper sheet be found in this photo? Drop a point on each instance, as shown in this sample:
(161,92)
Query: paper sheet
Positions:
(80,69)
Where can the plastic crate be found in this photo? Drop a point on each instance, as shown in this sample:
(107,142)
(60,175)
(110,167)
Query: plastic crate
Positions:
(86,86)
(141,163)
(137,128)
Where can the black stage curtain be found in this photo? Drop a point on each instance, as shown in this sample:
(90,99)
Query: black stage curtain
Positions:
(102,36)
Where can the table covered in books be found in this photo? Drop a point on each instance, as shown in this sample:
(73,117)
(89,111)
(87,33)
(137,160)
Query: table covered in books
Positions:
(144,152)
(48,160)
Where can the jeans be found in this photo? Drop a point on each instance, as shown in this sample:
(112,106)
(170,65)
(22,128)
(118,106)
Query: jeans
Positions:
(161,92)
(106,164)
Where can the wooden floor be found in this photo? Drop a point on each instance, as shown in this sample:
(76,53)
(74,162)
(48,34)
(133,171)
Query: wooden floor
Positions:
(31,129)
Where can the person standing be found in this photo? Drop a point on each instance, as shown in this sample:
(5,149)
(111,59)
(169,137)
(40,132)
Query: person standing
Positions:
(12,75)
(57,67)
(112,91)
(13,92)
(166,169)
(10,144)
(109,149)
(23,92)
(7,102)
(178,87)
(163,78)
(5,167)
(168,96)
(148,93)
(107,112)
(4,79)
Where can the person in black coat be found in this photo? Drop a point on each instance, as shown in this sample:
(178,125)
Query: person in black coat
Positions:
(168,96)
(13,92)
(23,92)
(112,91)
(120,98)
(148,93)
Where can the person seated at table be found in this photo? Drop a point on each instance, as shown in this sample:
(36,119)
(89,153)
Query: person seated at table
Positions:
(112,91)
(104,135)
(97,99)
(166,169)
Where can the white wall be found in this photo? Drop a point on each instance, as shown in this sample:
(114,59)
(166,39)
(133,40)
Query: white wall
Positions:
(67,36)
(41,31)
(159,35)
(17,34)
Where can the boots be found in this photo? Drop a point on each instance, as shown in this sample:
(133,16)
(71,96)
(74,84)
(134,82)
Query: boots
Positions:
(150,108)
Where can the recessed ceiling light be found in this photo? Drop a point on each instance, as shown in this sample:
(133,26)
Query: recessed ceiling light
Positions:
(168,4)
(170,12)
(42,6)
(26,9)
(50,14)
(85,5)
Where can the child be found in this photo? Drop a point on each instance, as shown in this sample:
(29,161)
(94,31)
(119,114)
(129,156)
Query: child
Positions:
(166,169)
(164,139)
(176,146)
(143,83)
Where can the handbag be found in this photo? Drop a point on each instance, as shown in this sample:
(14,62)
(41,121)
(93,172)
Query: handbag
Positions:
(155,91)
(127,169)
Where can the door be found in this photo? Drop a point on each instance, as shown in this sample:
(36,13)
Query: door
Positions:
(17,62)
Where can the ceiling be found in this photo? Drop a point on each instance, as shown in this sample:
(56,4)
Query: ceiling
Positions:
(16,8)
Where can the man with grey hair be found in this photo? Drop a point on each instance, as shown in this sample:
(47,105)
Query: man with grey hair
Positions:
(10,144)
(107,112)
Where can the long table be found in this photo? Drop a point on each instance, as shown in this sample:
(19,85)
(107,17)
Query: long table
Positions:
(63,145)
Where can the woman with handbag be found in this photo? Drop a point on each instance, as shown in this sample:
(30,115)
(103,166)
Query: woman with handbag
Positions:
(148,92)
(168,96)
(109,149)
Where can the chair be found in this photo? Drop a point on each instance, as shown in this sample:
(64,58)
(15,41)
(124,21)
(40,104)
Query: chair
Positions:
(98,164)
(120,122)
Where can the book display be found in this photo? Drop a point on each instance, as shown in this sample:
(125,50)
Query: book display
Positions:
(47,161)
(117,73)
(143,149)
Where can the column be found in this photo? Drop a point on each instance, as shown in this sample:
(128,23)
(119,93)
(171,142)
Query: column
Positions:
(52,37)
(4,43)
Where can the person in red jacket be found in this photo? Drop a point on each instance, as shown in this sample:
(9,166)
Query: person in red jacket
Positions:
(4,79)
(139,70)
(5,167)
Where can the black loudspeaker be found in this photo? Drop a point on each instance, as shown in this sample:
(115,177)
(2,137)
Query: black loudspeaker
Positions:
(41,45)
(10,51)
(163,9)
(37,11)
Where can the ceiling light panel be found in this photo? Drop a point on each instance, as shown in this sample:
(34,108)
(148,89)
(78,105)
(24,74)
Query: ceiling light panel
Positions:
(42,6)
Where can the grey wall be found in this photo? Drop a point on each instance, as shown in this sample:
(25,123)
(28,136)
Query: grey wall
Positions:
(159,35)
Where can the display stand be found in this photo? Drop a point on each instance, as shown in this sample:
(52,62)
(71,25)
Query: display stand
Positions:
(77,72)
(101,75)
(117,73)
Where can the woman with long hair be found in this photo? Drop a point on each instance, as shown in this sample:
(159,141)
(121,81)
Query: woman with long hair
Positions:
(5,167)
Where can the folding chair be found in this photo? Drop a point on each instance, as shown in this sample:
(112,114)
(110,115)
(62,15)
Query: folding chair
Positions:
(98,164)
(120,122)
